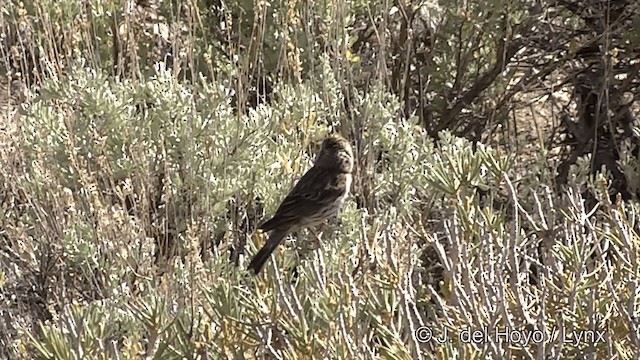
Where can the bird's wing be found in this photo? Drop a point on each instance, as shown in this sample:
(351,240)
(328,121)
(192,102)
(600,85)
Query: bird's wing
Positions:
(316,189)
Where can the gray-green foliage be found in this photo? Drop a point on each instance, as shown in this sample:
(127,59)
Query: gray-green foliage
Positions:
(443,233)
(363,292)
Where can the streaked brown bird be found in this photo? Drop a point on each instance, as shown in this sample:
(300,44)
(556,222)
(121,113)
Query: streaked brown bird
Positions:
(318,195)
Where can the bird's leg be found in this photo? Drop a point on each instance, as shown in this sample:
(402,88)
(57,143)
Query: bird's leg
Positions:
(334,221)
(316,240)
(311,243)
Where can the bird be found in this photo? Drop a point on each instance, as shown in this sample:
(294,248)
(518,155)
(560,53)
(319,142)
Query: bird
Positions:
(317,196)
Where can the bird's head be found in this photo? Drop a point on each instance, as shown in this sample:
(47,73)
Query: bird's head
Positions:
(336,153)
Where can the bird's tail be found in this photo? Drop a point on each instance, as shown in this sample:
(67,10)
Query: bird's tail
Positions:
(275,238)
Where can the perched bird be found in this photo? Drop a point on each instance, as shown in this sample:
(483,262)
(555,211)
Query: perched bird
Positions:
(318,195)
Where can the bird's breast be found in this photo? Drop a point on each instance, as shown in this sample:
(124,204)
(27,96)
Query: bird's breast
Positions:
(347,187)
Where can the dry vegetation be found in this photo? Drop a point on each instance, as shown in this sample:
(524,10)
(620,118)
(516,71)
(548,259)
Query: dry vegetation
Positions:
(496,188)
